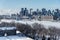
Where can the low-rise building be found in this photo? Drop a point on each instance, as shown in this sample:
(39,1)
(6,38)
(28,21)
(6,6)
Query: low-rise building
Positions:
(46,18)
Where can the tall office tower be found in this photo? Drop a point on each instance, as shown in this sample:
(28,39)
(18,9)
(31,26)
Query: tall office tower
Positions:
(26,12)
(31,11)
(44,11)
(38,12)
(22,12)
(49,13)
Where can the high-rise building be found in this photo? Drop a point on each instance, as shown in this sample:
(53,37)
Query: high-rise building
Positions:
(31,11)
(38,12)
(44,11)
(34,13)
(22,12)
(26,12)
(49,13)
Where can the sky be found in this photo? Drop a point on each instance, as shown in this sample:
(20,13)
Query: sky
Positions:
(17,4)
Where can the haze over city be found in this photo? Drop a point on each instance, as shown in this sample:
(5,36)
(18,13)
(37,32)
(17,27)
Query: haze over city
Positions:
(13,6)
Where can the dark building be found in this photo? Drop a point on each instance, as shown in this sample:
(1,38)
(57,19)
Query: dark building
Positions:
(13,16)
(31,11)
(44,11)
(11,32)
(49,13)
(38,12)
(57,10)
(22,12)
(1,33)
(26,12)
(34,13)
(8,31)
(56,14)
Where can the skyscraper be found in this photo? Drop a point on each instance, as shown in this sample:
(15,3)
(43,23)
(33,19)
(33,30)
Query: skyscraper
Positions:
(31,11)
(26,12)
(49,13)
(22,12)
(44,11)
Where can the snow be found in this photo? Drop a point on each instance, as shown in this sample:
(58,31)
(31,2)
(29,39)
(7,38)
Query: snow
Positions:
(7,28)
(18,38)
(3,38)
(8,21)
(47,36)
(15,37)
(47,24)
(18,32)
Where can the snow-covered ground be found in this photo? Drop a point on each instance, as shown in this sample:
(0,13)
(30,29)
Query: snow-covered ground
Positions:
(47,24)
(15,37)
(8,21)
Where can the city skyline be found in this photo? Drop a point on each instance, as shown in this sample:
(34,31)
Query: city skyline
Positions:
(13,6)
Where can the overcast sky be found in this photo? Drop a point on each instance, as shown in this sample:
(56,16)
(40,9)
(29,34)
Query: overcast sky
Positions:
(17,4)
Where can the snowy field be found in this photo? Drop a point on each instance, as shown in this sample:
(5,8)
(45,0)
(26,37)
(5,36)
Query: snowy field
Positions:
(47,24)
(16,37)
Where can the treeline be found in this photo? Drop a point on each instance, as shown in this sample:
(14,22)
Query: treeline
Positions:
(38,29)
